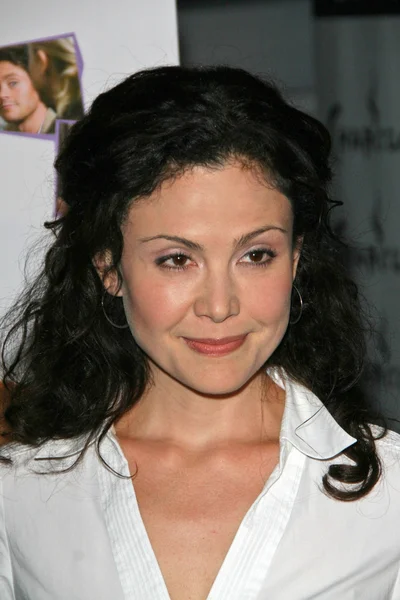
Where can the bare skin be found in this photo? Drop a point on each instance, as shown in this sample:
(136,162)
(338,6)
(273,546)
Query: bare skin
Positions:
(193,497)
(210,256)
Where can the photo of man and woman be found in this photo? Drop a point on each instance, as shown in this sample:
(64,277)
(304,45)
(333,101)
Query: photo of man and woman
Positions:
(39,84)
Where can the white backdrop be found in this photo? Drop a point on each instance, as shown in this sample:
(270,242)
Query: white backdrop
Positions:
(115,39)
(358,67)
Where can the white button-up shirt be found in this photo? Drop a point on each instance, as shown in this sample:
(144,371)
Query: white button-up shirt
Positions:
(79,535)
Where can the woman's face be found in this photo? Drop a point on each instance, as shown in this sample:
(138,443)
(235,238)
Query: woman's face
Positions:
(18,97)
(207,269)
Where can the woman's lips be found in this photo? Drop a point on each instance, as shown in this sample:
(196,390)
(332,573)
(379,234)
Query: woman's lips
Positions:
(216,347)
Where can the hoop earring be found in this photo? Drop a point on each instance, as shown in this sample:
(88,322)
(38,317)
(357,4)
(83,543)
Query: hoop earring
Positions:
(297,319)
(108,318)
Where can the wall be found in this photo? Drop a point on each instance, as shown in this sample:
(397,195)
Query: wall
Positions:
(115,39)
(263,36)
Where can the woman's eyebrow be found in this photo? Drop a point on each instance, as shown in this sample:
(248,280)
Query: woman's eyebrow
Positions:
(238,243)
(247,237)
(173,238)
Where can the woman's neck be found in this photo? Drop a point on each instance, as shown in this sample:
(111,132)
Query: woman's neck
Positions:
(170,412)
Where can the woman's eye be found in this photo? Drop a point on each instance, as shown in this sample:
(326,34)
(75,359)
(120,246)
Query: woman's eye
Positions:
(179,260)
(174,262)
(259,257)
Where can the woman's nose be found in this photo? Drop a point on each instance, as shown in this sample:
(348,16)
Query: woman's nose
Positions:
(217,298)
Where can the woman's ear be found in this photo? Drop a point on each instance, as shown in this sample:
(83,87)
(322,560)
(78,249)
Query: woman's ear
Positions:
(108,273)
(61,207)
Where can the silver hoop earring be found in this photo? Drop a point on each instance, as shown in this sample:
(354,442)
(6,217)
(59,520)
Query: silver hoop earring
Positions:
(297,319)
(108,318)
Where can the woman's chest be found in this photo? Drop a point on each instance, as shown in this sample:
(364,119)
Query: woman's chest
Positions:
(192,515)
(72,539)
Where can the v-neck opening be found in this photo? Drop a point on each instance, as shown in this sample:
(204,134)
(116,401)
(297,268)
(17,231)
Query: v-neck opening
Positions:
(140,523)
(147,571)
(140,573)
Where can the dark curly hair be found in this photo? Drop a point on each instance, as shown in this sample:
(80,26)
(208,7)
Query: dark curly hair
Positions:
(67,370)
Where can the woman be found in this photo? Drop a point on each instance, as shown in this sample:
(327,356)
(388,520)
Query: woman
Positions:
(20,104)
(183,403)
(54,70)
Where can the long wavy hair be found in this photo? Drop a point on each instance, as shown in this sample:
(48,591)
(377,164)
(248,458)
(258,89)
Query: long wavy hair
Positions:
(68,371)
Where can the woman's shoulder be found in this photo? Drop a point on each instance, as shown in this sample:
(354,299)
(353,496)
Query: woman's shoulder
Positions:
(388,451)
(21,457)
(51,457)
(387,443)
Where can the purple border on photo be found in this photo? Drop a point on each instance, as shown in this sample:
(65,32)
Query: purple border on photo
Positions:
(79,64)
(79,60)
(37,136)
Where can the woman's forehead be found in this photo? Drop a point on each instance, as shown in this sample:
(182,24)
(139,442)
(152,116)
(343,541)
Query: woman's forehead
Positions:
(203,199)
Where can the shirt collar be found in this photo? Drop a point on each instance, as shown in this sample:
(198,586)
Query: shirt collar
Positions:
(307,424)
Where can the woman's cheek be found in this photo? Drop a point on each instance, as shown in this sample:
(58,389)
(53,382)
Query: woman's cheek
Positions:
(154,306)
(270,299)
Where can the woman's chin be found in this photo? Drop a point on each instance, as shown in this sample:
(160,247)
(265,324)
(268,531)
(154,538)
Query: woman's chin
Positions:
(222,387)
